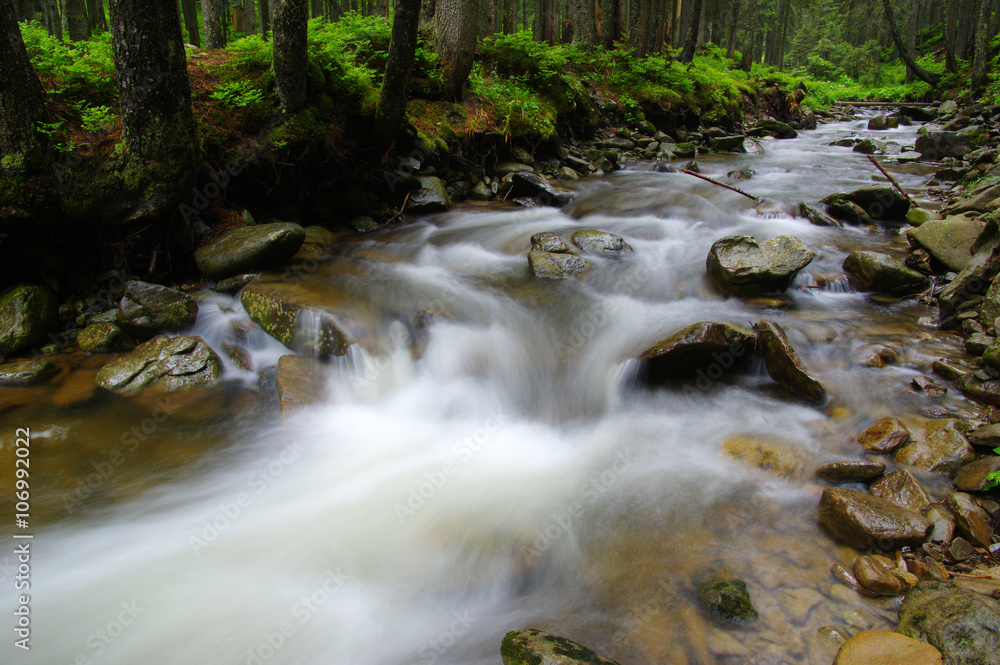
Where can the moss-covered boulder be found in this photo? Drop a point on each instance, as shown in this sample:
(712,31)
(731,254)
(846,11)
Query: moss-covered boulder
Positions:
(874,271)
(249,248)
(534,647)
(309,324)
(848,211)
(962,624)
(775,128)
(728,600)
(783,363)
(601,243)
(557,265)
(164,363)
(863,520)
(104,338)
(25,372)
(742,266)
(881,202)
(546,241)
(432,196)
(704,350)
(300,382)
(950,241)
(28,314)
(935,145)
(149,309)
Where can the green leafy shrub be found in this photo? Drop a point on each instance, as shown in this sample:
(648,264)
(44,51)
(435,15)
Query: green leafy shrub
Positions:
(238,94)
(520,111)
(96,118)
(79,69)
(993,479)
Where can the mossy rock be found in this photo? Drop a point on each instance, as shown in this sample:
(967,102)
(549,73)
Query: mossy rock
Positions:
(557,265)
(249,248)
(431,197)
(728,600)
(164,363)
(148,309)
(104,338)
(534,647)
(24,372)
(28,313)
(601,243)
(873,271)
(962,624)
(741,266)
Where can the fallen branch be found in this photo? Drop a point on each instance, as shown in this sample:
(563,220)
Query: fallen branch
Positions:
(721,184)
(894,182)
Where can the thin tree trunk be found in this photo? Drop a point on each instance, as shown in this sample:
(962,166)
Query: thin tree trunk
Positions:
(22,104)
(265,18)
(692,39)
(290,62)
(904,53)
(981,54)
(191,22)
(51,18)
(95,11)
(76,26)
(391,110)
(911,34)
(951,34)
(455,25)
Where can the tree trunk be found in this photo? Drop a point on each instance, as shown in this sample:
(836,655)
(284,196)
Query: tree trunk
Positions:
(687,55)
(98,20)
(734,21)
(981,54)
(585,23)
(51,18)
(76,26)
(212,13)
(951,33)
(455,25)
(904,53)
(911,34)
(265,18)
(22,105)
(191,22)
(509,17)
(289,19)
(427,9)
(607,24)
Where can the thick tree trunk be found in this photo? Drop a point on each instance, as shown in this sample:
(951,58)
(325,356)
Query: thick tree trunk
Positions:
(981,54)
(98,19)
(22,105)
(391,110)
(607,24)
(289,19)
(427,9)
(455,25)
(734,22)
(687,55)
(509,17)
(904,53)
(51,18)
(191,21)
(76,25)
(213,16)
(911,34)
(951,31)
(251,16)
(633,25)
(265,18)
(585,23)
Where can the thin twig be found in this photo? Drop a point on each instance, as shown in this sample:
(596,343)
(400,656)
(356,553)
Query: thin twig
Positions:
(721,184)
(895,183)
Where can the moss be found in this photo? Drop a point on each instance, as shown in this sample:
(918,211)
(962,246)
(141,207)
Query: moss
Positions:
(729,600)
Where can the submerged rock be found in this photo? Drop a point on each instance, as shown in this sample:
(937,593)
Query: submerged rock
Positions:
(962,624)
(309,328)
(782,459)
(165,363)
(147,309)
(601,243)
(24,372)
(783,363)
(534,647)
(850,472)
(249,248)
(873,647)
(863,520)
(300,383)
(557,265)
(28,313)
(728,600)
(741,266)
(873,271)
(705,349)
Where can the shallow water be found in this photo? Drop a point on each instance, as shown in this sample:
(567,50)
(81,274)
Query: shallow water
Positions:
(513,474)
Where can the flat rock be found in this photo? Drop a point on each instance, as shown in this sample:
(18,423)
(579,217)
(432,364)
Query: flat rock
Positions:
(939,446)
(863,520)
(903,489)
(300,383)
(556,265)
(148,309)
(949,240)
(28,314)
(742,266)
(104,338)
(884,436)
(874,647)
(874,271)
(164,363)
(987,435)
(24,372)
(534,647)
(963,625)
(707,347)
(249,248)
(850,472)
(777,457)
(601,243)
(783,363)
(972,476)
(935,145)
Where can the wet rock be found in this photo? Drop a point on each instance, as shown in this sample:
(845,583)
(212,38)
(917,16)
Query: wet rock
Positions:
(504,168)
(918,216)
(532,184)
(707,349)
(783,363)
(869,146)
(873,271)
(882,122)
(728,144)
(741,174)
(775,128)
(963,625)
(849,212)
(164,363)
(863,520)
(481,192)
(922,384)
(880,202)
(556,265)
(850,472)
(24,372)
(976,344)
(28,314)
(728,600)
(147,309)
(935,145)
(817,216)
(942,524)
(972,521)
(871,647)
(960,550)
(903,489)
(533,647)
(249,248)
(546,241)
(566,173)
(939,446)
(104,338)
(310,328)
(949,240)
(741,266)
(985,391)
(233,285)
(430,198)
(987,435)
(874,575)
(884,436)
(601,243)
(300,382)
(364,224)
(782,459)
(972,476)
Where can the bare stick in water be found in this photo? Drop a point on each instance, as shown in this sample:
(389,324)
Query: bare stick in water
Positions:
(894,182)
(720,184)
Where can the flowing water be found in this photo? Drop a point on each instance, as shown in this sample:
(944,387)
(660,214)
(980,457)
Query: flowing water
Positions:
(513,473)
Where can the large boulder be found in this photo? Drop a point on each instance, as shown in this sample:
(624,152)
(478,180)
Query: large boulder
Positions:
(705,349)
(848,211)
(300,382)
(432,196)
(148,309)
(741,266)
(864,521)
(949,240)
(882,122)
(28,314)
(775,128)
(874,647)
(532,184)
(881,202)
(935,145)
(601,243)
(873,271)
(939,446)
(783,363)
(557,265)
(962,624)
(249,248)
(728,144)
(534,647)
(164,363)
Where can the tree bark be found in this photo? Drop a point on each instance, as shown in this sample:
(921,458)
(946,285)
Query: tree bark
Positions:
(98,19)
(213,17)
(22,105)
(951,30)
(191,21)
(455,25)
(391,110)
(289,19)
(607,24)
(251,16)
(51,18)
(911,64)
(76,26)
(585,23)
(734,21)
(265,18)
(687,55)
(981,55)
